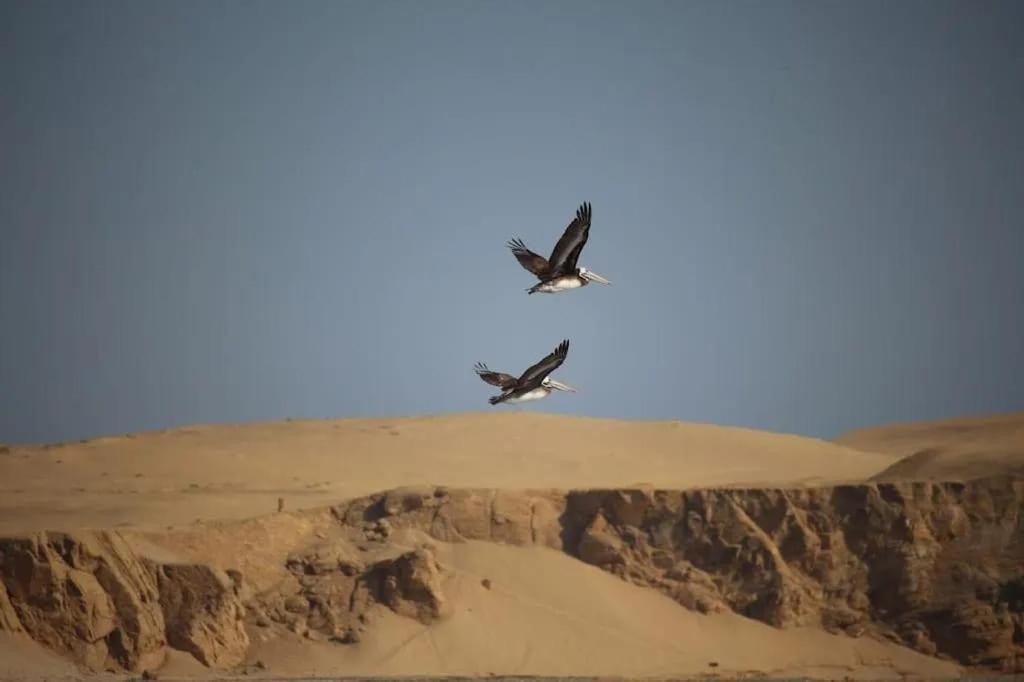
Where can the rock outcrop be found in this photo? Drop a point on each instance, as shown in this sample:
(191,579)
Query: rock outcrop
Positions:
(512,517)
(85,594)
(409,584)
(203,612)
(8,616)
(88,595)
(333,586)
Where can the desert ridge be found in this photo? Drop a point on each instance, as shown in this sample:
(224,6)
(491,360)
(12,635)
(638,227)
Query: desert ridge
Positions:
(235,471)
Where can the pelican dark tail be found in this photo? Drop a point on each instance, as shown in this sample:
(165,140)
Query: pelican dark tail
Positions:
(495,399)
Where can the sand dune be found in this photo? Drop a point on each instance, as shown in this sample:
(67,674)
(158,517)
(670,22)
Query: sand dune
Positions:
(237,471)
(951,449)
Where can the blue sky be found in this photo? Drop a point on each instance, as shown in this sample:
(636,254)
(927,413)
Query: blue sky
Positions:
(234,211)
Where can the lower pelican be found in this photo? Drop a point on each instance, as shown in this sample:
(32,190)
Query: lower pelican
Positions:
(534,384)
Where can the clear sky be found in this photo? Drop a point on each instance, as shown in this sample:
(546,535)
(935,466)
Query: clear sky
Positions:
(812,212)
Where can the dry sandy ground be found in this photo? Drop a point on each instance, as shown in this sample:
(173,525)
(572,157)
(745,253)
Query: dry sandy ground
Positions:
(23,659)
(544,613)
(182,475)
(951,449)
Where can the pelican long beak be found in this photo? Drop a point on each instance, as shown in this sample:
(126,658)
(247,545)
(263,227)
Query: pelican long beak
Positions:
(594,277)
(560,386)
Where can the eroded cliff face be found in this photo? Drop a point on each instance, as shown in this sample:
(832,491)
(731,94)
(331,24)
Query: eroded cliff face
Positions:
(332,586)
(89,596)
(86,595)
(203,612)
(938,567)
(8,616)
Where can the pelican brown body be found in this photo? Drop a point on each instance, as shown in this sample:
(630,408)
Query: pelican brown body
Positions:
(534,383)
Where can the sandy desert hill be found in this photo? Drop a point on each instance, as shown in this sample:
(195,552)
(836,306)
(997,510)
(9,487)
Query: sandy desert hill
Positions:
(509,544)
(949,449)
(210,472)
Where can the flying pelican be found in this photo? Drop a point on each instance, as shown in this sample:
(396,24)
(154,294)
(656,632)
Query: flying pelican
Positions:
(534,384)
(559,272)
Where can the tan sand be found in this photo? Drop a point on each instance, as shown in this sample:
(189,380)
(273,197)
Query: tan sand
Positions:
(951,449)
(237,471)
(21,658)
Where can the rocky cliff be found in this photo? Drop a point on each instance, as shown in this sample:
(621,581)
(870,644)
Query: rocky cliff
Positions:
(90,596)
(938,567)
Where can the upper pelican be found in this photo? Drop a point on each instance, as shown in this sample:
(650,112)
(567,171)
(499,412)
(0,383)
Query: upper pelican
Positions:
(559,272)
(534,384)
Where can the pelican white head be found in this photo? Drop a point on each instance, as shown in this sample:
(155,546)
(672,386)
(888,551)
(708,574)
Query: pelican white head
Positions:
(592,276)
(557,385)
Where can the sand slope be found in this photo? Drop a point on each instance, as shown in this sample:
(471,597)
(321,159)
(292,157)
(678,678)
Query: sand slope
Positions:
(951,449)
(23,659)
(548,614)
(237,471)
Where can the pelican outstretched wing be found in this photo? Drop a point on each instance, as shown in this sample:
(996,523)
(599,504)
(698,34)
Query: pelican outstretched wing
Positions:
(567,250)
(503,381)
(549,364)
(533,262)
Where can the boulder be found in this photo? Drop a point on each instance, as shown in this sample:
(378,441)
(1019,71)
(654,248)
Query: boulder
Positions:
(203,613)
(409,585)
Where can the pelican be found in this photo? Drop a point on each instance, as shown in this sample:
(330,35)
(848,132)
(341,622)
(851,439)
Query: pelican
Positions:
(559,272)
(534,384)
